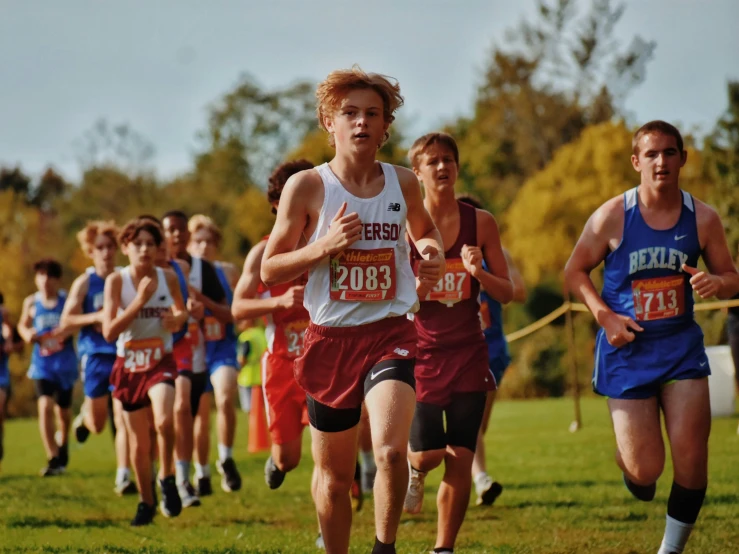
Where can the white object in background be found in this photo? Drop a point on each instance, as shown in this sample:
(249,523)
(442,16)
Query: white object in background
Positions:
(721,386)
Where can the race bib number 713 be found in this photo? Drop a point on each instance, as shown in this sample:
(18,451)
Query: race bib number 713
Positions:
(658,298)
(363,275)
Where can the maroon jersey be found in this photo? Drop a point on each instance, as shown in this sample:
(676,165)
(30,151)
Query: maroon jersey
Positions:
(452,353)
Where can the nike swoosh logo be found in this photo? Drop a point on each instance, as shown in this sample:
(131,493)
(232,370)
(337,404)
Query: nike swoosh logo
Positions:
(703,364)
(680,237)
(374,375)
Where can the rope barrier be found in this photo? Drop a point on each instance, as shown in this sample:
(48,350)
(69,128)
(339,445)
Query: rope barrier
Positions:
(579,307)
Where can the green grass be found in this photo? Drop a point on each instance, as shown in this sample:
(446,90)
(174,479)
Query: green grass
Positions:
(563,494)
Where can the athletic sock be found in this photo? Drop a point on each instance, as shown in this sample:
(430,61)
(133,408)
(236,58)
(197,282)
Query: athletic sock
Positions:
(225,452)
(368,460)
(443,550)
(683,508)
(645,493)
(202,470)
(382,548)
(182,471)
(122,474)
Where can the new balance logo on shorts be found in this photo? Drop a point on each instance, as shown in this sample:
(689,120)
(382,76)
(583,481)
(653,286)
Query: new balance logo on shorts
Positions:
(401,352)
(393,207)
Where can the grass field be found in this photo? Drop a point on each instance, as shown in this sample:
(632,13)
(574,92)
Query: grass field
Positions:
(562,494)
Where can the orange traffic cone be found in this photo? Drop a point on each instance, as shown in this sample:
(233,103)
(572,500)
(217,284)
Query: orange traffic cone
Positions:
(258,429)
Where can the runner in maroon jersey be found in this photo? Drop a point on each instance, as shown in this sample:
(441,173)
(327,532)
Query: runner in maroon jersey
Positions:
(452,373)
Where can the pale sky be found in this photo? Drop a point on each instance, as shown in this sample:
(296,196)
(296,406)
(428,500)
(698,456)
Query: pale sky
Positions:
(156,64)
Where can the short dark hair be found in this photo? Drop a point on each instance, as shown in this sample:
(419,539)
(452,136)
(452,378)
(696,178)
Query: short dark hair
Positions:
(471,200)
(421,144)
(281,174)
(179,214)
(149,217)
(48,266)
(656,126)
(132,229)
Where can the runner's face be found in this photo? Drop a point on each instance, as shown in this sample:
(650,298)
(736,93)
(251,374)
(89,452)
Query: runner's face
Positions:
(359,124)
(48,285)
(142,251)
(176,236)
(103,254)
(659,160)
(437,168)
(203,245)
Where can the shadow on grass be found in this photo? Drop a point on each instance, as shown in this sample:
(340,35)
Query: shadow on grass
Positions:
(631,516)
(545,504)
(561,484)
(31,522)
(731,499)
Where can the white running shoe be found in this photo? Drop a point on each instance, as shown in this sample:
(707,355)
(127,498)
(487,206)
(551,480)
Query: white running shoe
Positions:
(414,496)
(487,491)
(187,495)
(319,543)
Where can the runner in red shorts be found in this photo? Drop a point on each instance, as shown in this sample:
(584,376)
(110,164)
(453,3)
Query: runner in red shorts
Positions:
(287,320)
(452,373)
(359,345)
(142,307)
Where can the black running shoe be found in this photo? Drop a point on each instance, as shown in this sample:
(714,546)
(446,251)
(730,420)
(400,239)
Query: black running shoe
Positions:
(144,515)
(204,487)
(230,478)
(273,475)
(52,468)
(490,494)
(64,455)
(171,505)
(80,431)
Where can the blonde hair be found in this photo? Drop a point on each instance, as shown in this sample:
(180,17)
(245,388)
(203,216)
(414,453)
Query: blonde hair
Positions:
(87,236)
(334,88)
(423,143)
(198,222)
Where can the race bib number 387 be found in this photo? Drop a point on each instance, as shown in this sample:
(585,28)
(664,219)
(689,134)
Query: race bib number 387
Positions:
(363,275)
(453,286)
(658,298)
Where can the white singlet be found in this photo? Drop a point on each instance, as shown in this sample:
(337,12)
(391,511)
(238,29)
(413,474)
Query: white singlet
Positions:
(373,279)
(195,280)
(148,324)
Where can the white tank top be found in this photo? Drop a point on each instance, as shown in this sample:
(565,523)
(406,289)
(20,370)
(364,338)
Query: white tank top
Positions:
(373,279)
(147,324)
(197,339)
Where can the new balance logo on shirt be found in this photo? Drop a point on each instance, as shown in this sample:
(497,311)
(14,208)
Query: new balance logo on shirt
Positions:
(393,207)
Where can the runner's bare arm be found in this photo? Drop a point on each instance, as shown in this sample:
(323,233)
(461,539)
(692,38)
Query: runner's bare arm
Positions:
(590,250)
(72,318)
(12,342)
(723,280)
(496,281)
(283,260)
(25,325)
(220,310)
(420,226)
(519,287)
(246,304)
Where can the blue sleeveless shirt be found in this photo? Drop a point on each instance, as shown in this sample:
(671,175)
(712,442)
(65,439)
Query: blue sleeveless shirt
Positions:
(91,340)
(643,277)
(183,288)
(491,313)
(52,361)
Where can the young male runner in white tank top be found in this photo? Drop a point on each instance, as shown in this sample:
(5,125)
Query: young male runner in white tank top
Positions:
(359,345)
(142,307)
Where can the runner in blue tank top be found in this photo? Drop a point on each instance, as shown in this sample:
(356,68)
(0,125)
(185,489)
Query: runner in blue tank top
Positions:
(9,343)
(220,359)
(83,312)
(53,361)
(491,318)
(649,351)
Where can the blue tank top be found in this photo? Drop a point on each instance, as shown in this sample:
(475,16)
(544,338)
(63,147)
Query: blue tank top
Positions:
(491,315)
(643,277)
(230,335)
(44,321)
(183,288)
(91,340)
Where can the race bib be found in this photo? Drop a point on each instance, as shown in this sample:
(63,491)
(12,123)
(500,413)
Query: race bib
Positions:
(294,336)
(363,275)
(193,329)
(658,298)
(453,286)
(214,329)
(143,354)
(48,345)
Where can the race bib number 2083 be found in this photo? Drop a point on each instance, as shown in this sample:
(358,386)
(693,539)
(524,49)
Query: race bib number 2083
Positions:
(363,275)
